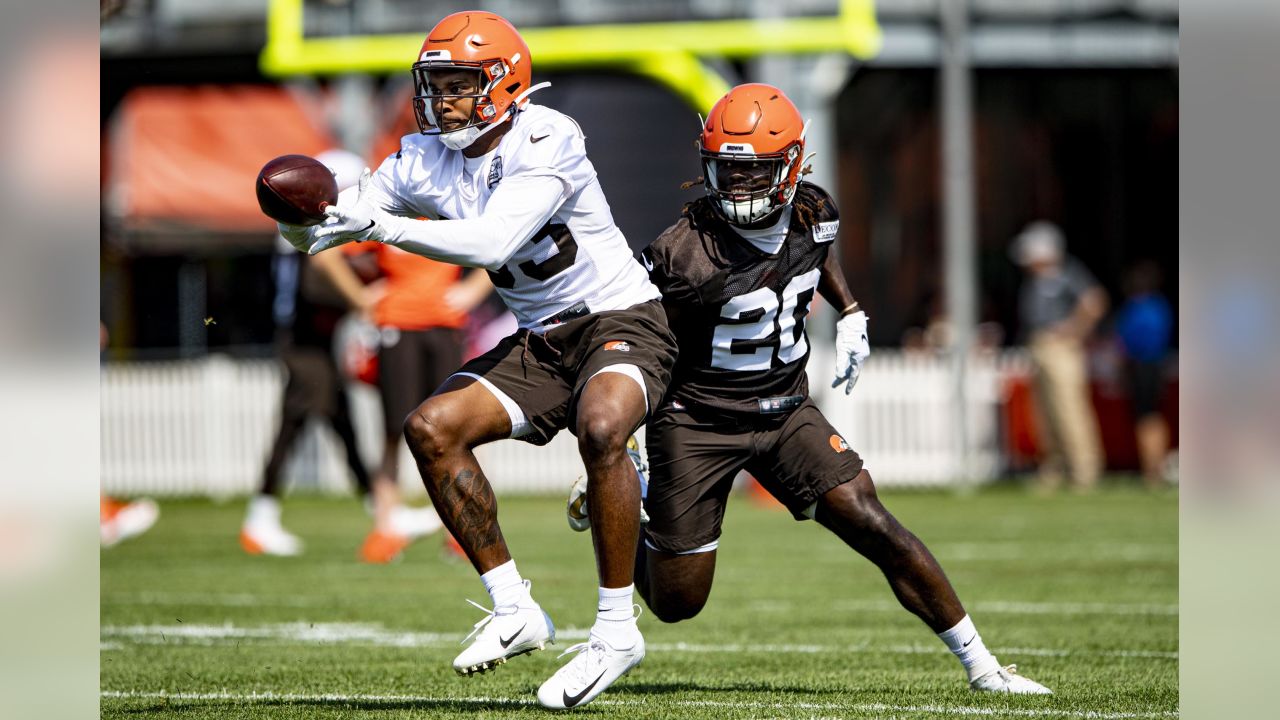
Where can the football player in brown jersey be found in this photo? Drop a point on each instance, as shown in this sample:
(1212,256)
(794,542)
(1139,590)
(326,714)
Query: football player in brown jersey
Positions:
(737,272)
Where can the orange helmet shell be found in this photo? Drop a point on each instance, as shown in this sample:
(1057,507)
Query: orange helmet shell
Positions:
(486,42)
(755,122)
(757,116)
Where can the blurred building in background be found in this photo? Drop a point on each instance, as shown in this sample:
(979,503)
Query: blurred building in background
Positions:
(1074,114)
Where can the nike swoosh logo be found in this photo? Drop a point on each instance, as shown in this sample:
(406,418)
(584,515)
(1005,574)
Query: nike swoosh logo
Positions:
(571,700)
(370,227)
(533,139)
(506,642)
(975,637)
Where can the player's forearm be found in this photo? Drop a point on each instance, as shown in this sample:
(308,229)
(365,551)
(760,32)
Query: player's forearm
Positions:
(484,242)
(835,289)
(514,213)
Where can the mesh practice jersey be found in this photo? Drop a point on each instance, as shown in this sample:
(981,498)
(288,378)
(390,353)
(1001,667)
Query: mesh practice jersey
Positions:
(578,255)
(738,313)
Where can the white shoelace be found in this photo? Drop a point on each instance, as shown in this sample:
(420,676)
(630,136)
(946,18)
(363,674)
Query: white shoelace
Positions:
(489,615)
(595,650)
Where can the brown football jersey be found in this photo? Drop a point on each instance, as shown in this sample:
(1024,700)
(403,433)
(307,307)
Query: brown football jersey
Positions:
(739,314)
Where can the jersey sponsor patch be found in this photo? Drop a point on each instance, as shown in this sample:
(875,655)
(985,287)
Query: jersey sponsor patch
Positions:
(619,345)
(825,232)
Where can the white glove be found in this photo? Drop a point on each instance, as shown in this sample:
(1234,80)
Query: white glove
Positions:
(851,349)
(298,236)
(355,218)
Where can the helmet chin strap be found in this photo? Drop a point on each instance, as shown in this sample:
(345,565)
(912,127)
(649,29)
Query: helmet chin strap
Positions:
(462,138)
(524,95)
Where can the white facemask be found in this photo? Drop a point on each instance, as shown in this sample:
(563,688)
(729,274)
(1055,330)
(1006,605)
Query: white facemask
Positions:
(747,211)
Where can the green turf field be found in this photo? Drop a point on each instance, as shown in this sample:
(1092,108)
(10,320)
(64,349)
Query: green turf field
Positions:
(1080,592)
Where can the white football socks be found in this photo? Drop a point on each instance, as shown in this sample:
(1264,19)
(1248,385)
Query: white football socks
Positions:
(264,510)
(616,617)
(964,641)
(505,585)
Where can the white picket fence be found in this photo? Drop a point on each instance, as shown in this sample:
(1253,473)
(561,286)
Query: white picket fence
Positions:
(204,427)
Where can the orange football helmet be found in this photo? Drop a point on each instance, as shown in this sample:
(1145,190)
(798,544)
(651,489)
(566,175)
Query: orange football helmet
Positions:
(477,41)
(752,149)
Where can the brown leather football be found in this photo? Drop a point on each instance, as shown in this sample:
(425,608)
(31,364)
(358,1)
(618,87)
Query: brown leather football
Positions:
(295,190)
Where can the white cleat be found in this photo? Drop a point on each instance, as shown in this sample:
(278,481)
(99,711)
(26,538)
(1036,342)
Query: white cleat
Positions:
(576,509)
(504,633)
(269,539)
(129,521)
(595,667)
(1007,680)
(262,533)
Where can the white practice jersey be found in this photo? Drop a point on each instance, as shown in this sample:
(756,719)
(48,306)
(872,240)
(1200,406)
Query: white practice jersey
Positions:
(578,256)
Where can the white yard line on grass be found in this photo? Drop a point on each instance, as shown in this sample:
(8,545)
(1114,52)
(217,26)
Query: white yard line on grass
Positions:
(270,697)
(990,606)
(899,650)
(302,632)
(1024,550)
(356,633)
(214,600)
(1006,607)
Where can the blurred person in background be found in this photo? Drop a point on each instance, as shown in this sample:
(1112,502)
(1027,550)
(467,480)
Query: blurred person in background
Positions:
(307,309)
(1144,324)
(1059,304)
(120,520)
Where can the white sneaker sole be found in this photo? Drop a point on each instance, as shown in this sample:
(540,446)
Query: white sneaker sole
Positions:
(560,704)
(484,667)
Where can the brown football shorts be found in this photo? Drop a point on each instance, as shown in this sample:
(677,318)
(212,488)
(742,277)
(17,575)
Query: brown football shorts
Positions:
(543,374)
(693,461)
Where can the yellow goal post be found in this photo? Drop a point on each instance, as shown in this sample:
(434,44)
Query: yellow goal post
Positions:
(667,52)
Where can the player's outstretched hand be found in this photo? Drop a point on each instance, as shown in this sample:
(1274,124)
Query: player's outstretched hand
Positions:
(353,219)
(851,349)
(299,236)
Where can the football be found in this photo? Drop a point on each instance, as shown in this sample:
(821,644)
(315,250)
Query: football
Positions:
(295,190)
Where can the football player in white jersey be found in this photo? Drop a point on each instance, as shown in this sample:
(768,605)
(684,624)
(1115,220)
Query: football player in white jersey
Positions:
(508,187)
